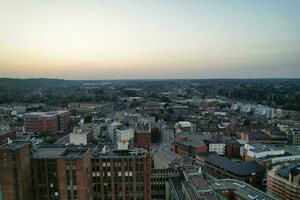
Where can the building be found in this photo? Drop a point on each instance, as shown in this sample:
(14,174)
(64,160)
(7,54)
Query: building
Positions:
(142,137)
(183,126)
(222,167)
(269,155)
(61,172)
(81,136)
(124,134)
(258,151)
(165,158)
(293,134)
(218,147)
(122,174)
(264,138)
(232,149)
(5,135)
(189,147)
(47,122)
(160,182)
(284,182)
(45,178)
(74,171)
(191,186)
(15,171)
(112,130)
(235,189)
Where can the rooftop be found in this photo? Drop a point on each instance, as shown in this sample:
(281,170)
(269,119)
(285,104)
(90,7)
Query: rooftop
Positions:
(167,154)
(257,147)
(46,114)
(284,172)
(74,152)
(239,168)
(240,188)
(48,151)
(14,144)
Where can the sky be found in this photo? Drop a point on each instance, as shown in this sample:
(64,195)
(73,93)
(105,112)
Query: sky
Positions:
(137,39)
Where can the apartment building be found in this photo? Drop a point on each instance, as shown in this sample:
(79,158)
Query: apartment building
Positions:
(15,171)
(284,182)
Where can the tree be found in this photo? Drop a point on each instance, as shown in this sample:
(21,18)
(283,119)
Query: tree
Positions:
(155,134)
(88,119)
(164,99)
(50,139)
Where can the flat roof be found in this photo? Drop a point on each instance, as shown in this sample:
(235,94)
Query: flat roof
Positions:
(242,189)
(14,144)
(71,153)
(46,114)
(263,147)
(48,151)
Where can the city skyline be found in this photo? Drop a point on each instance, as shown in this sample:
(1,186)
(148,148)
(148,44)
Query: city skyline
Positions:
(149,39)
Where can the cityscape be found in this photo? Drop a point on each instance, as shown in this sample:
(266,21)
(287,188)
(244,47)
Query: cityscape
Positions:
(142,100)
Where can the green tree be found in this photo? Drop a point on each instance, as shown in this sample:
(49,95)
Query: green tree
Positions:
(155,134)
(88,119)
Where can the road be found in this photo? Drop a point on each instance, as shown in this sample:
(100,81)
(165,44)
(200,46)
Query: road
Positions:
(167,139)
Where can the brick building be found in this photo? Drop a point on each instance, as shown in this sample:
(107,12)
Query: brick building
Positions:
(142,137)
(15,171)
(47,122)
(122,174)
(60,172)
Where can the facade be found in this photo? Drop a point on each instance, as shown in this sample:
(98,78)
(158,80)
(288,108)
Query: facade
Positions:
(53,172)
(112,130)
(15,171)
(122,175)
(183,126)
(218,147)
(159,182)
(142,138)
(284,182)
(74,171)
(124,134)
(81,136)
(47,122)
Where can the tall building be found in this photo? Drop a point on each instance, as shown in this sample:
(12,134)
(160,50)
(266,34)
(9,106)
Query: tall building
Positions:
(284,182)
(47,122)
(57,172)
(122,174)
(15,171)
(74,171)
(44,172)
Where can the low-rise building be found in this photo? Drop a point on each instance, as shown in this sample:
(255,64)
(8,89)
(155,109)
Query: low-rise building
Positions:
(191,185)
(183,126)
(222,167)
(235,189)
(81,136)
(47,122)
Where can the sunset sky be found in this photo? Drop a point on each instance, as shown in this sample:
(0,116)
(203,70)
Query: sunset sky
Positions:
(127,39)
